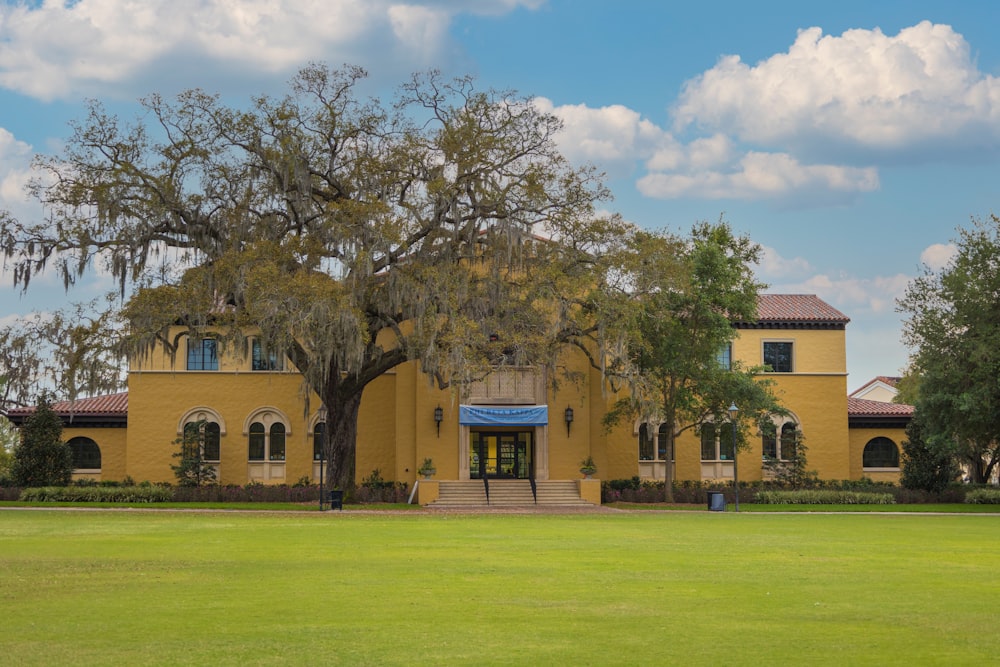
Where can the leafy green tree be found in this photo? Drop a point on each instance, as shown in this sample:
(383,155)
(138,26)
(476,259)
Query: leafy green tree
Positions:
(350,235)
(192,469)
(42,458)
(925,468)
(8,440)
(953,330)
(680,300)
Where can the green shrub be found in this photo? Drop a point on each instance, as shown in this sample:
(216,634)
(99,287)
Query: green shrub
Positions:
(983,497)
(98,494)
(824,497)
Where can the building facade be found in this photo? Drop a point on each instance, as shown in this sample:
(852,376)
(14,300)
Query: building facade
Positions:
(257,424)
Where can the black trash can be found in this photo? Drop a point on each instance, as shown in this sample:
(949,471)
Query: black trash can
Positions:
(337,499)
(716,501)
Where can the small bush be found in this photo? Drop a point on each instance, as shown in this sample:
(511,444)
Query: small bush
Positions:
(824,497)
(983,497)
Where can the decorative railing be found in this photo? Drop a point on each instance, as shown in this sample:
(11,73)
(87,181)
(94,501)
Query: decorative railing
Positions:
(509,386)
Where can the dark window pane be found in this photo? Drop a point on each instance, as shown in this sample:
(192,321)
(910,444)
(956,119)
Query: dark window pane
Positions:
(263,361)
(788,439)
(202,355)
(881,453)
(778,357)
(212,442)
(726,442)
(256,449)
(708,442)
(277,442)
(645,443)
(86,454)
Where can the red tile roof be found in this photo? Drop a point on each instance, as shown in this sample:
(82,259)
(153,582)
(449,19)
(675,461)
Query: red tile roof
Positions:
(113,405)
(797,308)
(862,407)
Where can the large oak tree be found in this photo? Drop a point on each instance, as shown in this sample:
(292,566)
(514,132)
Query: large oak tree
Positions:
(349,234)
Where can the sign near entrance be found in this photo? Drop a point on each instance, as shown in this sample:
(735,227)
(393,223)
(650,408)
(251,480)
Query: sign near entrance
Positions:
(522,415)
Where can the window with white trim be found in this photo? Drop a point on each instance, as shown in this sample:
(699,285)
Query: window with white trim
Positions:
(266,444)
(208,436)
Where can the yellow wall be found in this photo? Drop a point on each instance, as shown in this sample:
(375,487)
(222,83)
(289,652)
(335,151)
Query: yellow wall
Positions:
(859,438)
(397,431)
(111,442)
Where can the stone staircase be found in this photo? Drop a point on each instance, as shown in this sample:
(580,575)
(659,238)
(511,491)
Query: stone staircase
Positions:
(507,493)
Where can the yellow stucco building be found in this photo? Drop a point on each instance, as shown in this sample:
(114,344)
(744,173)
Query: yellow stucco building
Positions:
(513,425)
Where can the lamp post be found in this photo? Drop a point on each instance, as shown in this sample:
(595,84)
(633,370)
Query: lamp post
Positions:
(733,411)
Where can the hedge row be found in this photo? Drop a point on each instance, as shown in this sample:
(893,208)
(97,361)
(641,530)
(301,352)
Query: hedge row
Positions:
(824,497)
(98,494)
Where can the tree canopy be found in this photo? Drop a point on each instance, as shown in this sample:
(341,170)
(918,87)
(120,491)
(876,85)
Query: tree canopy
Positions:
(676,326)
(348,234)
(953,331)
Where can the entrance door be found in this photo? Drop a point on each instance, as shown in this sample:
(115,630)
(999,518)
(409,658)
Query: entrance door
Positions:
(501,455)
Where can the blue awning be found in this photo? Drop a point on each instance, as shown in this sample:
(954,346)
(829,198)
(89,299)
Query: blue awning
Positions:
(521,415)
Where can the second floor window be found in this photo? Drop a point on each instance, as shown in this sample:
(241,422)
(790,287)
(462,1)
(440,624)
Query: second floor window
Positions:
(203,355)
(778,356)
(264,360)
(724,357)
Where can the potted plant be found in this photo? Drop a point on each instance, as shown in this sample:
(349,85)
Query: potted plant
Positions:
(427,468)
(588,467)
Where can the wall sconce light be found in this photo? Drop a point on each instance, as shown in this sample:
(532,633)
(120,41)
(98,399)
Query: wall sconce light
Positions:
(438,418)
(569,419)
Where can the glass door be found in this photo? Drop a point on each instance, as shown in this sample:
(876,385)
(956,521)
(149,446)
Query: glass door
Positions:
(503,455)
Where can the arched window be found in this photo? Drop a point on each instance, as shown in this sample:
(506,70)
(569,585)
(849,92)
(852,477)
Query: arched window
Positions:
(257,443)
(789,438)
(266,434)
(880,453)
(661,444)
(318,431)
(276,449)
(86,454)
(645,443)
(206,436)
(779,437)
(212,442)
(708,451)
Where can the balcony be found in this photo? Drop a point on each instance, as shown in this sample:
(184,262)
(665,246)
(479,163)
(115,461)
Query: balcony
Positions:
(509,386)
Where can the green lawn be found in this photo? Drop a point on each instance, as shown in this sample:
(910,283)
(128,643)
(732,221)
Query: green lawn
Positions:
(687,588)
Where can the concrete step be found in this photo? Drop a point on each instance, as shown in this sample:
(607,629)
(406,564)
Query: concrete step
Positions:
(508,493)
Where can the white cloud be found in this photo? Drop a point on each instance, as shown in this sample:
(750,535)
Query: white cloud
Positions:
(759,175)
(15,161)
(61,49)
(937,256)
(614,137)
(773,266)
(850,293)
(874,91)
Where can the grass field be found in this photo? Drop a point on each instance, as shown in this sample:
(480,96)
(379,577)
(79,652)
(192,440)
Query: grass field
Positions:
(148,588)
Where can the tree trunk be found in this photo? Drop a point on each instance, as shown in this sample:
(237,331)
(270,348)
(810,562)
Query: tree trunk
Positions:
(668,475)
(341,439)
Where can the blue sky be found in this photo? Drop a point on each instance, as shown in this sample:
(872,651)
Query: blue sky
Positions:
(850,139)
